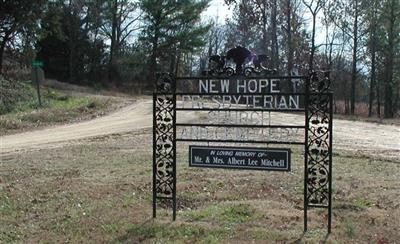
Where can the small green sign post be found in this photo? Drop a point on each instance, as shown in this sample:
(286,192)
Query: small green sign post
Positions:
(36,65)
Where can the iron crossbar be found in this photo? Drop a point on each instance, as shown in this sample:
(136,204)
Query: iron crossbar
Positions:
(243,109)
(241,141)
(243,125)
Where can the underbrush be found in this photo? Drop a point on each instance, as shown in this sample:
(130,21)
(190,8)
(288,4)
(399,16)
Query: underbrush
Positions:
(360,111)
(20,110)
(14,94)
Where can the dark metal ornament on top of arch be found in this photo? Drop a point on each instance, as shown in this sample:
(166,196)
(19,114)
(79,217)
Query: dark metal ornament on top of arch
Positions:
(246,63)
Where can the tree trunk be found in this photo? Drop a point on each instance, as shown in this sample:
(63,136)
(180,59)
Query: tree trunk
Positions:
(372,84)
(388,112)
(397,99)
(216,41)
(113,31)
(354,65)
(3,44)
(346,99)
(264,33)
(172,62)
(191,65)
(289,39)
(113,39)
(378,98)
(71,61)
(210,47)
(177,65)
(71,42)
(373,61)
(2,48)
(153,58)
(311,63)
(274,36)
(330,55)
(388,104)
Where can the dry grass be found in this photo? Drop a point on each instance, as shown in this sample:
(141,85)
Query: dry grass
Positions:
(100,191)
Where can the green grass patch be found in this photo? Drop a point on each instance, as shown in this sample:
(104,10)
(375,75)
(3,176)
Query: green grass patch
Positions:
(10,236)
(117,227)
(57,107)
(257,233)
(349,229)
(175,233)
(363,203)
(7,205)
(238,213)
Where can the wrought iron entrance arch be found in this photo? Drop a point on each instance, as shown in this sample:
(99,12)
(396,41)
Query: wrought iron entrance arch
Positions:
(318,100)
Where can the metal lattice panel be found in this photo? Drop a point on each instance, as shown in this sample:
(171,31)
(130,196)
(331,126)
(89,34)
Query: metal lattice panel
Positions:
(318,149)
(164,141)
(164,153)
(319,145)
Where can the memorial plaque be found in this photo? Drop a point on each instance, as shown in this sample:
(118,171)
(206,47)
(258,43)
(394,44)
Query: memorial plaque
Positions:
(273,159)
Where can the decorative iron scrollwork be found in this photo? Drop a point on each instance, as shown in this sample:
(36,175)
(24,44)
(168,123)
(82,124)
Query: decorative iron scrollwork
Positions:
(165,83)
(164,137)
(319,141)
(164,145)
(320,84)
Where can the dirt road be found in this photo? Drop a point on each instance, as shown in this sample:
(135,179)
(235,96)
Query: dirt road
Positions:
(368,138)
(133,117)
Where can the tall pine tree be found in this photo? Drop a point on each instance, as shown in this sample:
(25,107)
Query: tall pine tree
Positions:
(171,27)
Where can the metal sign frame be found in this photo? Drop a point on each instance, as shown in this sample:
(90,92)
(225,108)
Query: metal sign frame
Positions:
(318,113)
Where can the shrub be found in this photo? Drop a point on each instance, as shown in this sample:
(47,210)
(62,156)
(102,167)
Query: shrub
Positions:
(14,94)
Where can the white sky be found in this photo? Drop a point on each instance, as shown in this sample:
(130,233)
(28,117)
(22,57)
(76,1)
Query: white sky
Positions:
(218,9)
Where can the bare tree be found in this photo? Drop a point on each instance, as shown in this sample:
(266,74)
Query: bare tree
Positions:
(314,7)
(372,19)
(274,35)
(289,37)
(354,64)
(122,19)
(392,7)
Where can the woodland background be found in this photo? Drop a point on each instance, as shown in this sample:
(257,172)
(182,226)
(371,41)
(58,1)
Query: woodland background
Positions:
(121,44)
